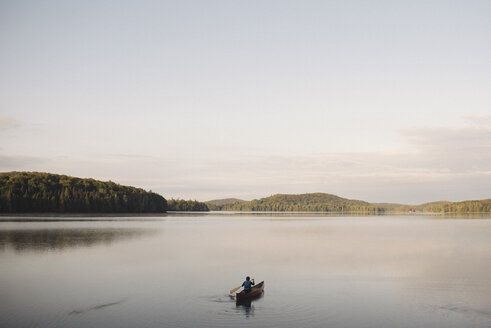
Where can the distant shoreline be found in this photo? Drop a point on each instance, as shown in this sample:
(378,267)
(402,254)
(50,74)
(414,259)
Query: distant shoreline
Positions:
(4,217)
(48,194)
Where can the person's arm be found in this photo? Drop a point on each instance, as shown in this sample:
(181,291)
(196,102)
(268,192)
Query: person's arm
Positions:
(253,283)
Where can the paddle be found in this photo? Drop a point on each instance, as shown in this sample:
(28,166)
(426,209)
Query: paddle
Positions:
(235,289)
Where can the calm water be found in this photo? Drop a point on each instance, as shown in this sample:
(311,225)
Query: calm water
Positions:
(176,271)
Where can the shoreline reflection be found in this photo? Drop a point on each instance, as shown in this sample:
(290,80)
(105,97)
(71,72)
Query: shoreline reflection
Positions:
(247,305)
(59,239)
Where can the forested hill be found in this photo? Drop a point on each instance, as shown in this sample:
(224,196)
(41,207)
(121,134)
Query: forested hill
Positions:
(467,206)
(32,192)
(218,204)
(314,202)
(28,192)
(321,202)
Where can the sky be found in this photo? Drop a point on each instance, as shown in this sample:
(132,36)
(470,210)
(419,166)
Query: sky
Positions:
(383,101)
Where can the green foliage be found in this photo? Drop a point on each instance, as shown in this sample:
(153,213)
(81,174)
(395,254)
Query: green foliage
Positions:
(315,202)
(24,192)
(468,206)
(218,204)
(28,192)
(320,202)
(186,205)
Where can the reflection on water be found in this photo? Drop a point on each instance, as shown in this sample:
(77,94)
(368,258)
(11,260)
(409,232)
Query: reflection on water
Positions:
(465,310)
(247,305)
(383,272)
(59,239)
(223,214)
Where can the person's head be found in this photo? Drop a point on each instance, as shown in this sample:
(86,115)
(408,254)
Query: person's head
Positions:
(248,278)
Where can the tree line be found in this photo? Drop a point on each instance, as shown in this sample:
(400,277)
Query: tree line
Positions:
(24,192)
(468,206)
(322,202)
(28,192)
(313,202)
(186,205)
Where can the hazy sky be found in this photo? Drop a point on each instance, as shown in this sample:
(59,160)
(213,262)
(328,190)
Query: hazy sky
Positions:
(384,101)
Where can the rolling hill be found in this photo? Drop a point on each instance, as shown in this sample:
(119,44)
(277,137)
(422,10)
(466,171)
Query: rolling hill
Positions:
(28,192)
(219,204)
(322,202)
(311,202)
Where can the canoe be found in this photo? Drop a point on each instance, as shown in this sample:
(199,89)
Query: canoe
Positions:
(256,290)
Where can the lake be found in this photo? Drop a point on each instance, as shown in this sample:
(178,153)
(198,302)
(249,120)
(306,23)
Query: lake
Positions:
(177,270)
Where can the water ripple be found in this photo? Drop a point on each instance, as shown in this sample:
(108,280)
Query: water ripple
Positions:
(96,307)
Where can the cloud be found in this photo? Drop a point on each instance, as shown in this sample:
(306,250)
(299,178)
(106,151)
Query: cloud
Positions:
(479,119)
(7,122)
(16,163)
(112,156)
(456,149)
(435,163)
(460,138)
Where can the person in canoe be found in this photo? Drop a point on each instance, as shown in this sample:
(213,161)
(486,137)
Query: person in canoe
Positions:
(247,284)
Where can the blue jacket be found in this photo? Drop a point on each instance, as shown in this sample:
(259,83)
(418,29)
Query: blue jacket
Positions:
(247,285)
